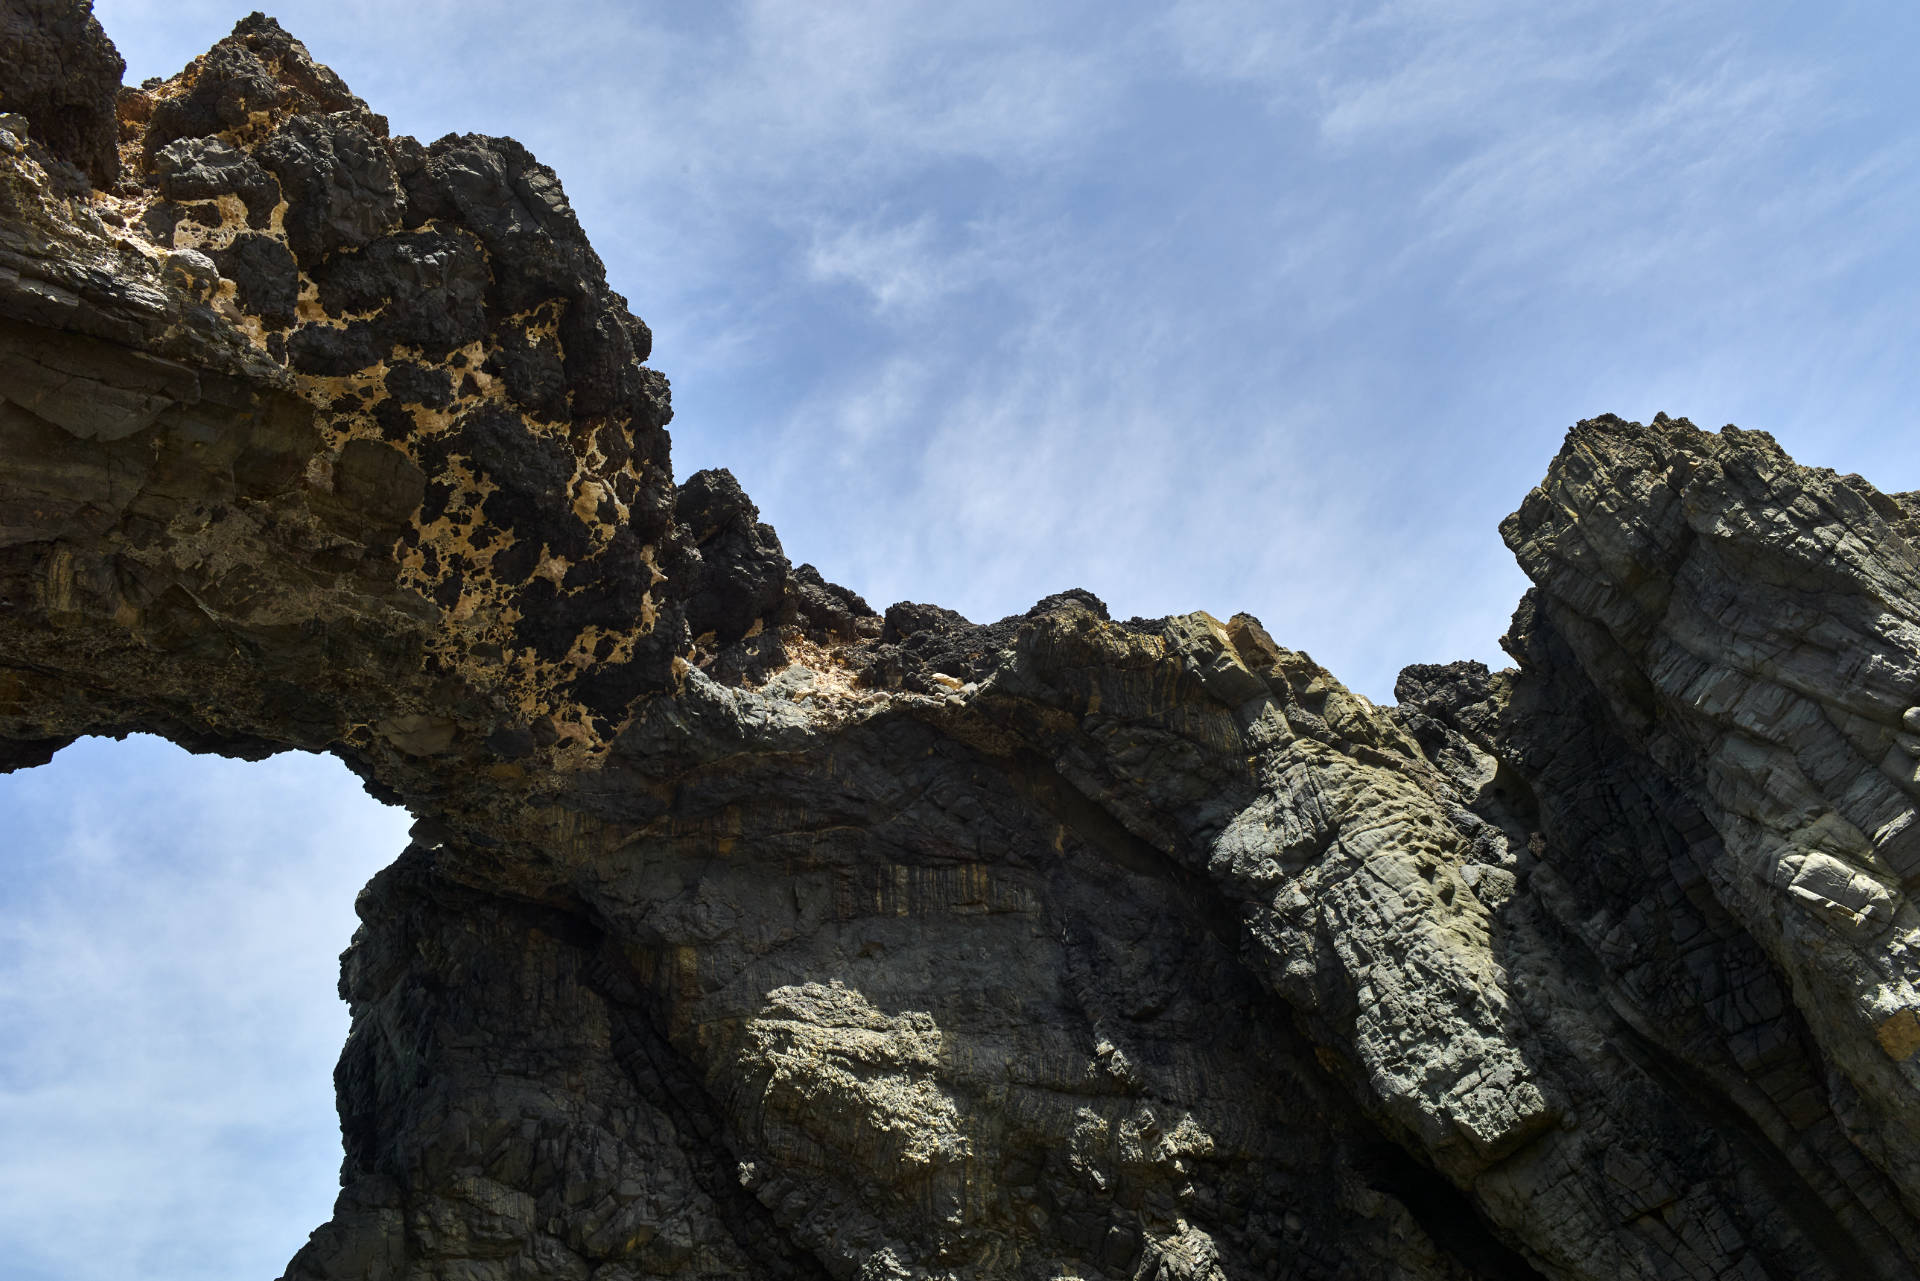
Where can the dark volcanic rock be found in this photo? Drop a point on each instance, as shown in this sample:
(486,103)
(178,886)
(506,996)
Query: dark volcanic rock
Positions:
(59,70)
(428,288)
(734,561)
(747,933)
(340,186)
(204,168)
(257,71)
(265,278)
(907,620)
(833,611)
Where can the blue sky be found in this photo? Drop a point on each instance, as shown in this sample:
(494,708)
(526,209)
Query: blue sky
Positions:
(170,929)
(1267,307)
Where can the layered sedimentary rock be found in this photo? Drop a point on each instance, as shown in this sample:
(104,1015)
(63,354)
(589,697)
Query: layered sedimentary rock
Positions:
(747,932)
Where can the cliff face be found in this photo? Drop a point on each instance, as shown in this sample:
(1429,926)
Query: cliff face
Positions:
(748,933)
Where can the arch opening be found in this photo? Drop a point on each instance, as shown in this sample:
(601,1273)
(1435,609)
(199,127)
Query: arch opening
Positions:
(170,931)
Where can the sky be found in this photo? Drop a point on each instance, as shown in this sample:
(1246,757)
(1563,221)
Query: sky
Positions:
(1275,307)
(170,932)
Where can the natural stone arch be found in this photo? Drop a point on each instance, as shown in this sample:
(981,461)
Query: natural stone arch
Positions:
(169,962)
(315,437)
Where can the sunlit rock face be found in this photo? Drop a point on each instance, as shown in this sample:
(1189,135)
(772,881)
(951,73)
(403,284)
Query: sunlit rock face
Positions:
(747,932)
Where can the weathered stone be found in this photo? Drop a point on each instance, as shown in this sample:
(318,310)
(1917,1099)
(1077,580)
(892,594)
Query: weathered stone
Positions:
(830,609)
(746,933)
(736,566)
(340,187)
(259,70)
(191,169)
(418,735)
(61,77)
(266,280)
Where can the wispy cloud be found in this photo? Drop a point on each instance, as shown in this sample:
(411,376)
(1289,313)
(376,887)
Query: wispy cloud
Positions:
(898,264)
(885,82)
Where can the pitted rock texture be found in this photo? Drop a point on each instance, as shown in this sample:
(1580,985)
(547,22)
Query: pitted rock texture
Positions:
(749,932)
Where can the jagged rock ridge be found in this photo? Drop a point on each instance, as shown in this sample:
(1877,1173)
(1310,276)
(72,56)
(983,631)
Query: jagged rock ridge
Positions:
(747,932)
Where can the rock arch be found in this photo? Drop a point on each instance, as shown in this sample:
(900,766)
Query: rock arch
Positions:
(747,932)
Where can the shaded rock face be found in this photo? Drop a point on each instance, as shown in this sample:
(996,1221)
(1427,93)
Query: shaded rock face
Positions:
(748,932)
(58,68)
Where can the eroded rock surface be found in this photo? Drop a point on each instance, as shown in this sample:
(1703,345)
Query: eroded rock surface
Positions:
(749,932)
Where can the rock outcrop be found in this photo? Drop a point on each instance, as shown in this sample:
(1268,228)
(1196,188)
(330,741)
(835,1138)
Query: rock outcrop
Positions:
(748,932)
